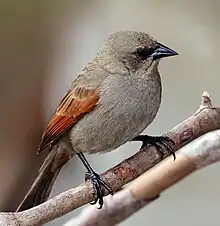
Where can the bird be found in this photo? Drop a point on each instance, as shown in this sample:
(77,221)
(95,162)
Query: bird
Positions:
(112,101)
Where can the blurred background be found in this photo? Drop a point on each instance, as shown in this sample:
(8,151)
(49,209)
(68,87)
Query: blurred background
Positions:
(45,43)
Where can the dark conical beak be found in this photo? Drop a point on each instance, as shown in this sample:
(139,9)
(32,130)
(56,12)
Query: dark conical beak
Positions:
(163,51)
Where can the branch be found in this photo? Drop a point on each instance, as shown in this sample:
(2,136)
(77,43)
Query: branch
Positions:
(206,119)
(203,152)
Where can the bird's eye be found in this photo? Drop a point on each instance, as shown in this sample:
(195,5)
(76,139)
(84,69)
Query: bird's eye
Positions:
(143,53)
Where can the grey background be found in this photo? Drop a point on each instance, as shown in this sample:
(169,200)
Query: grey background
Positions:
(43,46)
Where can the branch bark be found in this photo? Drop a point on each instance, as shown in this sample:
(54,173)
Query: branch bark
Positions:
(206,119)
(203,152)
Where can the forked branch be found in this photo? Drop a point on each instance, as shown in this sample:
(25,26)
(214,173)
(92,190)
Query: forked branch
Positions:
(206,119)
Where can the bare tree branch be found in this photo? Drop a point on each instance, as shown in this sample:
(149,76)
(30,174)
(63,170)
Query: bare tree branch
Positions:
(206,119)
(203,152)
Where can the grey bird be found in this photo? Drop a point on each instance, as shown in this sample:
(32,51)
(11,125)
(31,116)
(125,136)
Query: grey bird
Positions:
(115,97)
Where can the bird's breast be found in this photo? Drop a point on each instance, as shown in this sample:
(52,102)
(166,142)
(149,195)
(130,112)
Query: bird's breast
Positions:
(135,100)
(126,107)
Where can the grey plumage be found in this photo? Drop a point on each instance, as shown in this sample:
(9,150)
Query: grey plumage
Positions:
(125,75)
(128,104)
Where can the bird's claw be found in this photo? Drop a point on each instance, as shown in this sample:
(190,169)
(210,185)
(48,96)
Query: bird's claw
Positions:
(157,142)
(98,186)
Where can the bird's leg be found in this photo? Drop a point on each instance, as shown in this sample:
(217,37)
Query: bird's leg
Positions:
(157,141)
(97,183)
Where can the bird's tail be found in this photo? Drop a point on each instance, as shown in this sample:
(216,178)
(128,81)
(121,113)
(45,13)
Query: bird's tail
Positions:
(42,186)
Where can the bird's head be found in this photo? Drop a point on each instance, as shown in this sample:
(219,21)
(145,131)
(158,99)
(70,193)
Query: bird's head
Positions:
(136,49)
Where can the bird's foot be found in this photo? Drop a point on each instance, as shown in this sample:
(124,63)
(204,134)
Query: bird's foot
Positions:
(157,142)
(98,186)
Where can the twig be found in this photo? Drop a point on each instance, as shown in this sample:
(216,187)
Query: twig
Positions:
(203,152)
(206,119)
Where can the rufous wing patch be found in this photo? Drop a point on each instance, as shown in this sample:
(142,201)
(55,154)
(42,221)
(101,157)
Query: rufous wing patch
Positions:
(73,107)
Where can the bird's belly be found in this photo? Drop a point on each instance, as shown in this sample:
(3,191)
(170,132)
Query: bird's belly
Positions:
(115,120)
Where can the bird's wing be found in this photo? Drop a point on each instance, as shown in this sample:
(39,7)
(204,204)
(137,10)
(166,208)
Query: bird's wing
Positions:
(80,99)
